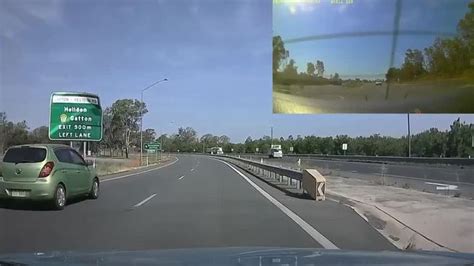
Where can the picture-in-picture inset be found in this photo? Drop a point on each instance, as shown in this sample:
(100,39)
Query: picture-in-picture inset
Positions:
(373,56)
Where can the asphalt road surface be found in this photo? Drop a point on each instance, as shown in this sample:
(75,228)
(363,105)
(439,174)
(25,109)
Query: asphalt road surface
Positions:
(196,202)
(422,177)
(423,97)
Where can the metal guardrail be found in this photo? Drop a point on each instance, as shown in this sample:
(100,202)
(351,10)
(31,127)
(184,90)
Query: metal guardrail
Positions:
(292,177)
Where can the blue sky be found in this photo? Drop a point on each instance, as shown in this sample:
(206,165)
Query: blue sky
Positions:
(216,55)
(362,56)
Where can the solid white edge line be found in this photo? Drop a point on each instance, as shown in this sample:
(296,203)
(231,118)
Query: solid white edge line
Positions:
(143,201)
(146,171)
(181,177)
(318,237)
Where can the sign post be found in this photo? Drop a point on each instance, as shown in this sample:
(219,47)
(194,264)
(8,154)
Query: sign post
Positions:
(344,147)
(75,117)
(152,147)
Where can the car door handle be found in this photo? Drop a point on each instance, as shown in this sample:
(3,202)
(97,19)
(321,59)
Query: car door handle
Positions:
(78,171)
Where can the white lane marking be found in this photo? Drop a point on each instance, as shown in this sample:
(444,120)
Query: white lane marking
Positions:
(149,170)
(441,186)
(326,243)
(192,169)
(143,201)
(181,177)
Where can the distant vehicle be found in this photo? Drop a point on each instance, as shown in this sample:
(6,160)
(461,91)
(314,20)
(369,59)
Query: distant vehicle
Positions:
(275,151)
(217,150)
(378,83)
(46,172)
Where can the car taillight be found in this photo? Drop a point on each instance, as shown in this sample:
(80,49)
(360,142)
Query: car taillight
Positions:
(46,170)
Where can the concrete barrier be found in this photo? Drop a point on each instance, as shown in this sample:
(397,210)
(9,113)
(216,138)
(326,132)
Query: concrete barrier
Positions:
(314,184)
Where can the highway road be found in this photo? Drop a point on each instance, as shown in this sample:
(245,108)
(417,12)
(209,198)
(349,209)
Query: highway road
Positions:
(196,202)
(422,177)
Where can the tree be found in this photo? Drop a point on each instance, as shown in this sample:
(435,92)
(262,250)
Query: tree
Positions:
(223,140)
(112,131)
(186,139)
(279,53)
(457,55)
(466,29)
(459,139)
(413,65)
(310,69)
(438,57)
(336,76)
(393,74)
(40,135)
(291,69)
(15,133)
(209,140)
(126,115)
(320,68)
(430,143)
(149,135)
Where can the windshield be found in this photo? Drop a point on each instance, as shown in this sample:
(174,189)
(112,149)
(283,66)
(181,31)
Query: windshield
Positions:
(153,125)
(25,155)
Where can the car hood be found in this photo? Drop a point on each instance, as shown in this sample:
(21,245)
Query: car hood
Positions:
(238,256)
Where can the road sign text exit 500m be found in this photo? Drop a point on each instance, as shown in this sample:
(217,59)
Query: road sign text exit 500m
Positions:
(75,116)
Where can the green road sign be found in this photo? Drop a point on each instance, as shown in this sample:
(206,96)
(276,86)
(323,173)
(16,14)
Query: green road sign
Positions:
(151,146)
(75,116)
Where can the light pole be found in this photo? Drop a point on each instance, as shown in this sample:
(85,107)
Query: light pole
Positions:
(272,136)
(141,118)
(409,136)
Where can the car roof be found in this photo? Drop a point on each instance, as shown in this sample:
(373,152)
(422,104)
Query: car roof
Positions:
(39,145)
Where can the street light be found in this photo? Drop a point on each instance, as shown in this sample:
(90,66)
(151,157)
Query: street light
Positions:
(141,118)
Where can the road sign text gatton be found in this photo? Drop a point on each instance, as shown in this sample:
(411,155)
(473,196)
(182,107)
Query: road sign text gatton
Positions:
(75,116)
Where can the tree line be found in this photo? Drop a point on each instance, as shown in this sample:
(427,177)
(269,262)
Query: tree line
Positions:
(121,136)
(455,142)
(285,71)
(446,57)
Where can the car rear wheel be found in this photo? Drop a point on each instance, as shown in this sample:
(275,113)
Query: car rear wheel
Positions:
(59,197)
(94,193)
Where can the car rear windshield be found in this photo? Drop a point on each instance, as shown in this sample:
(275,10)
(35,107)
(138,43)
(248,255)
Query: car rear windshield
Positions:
(25,155)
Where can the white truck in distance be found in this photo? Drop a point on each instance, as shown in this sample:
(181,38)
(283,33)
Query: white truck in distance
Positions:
(217,150)
(275,151)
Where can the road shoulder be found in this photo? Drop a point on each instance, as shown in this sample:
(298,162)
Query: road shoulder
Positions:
(138,170)
(409,219)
